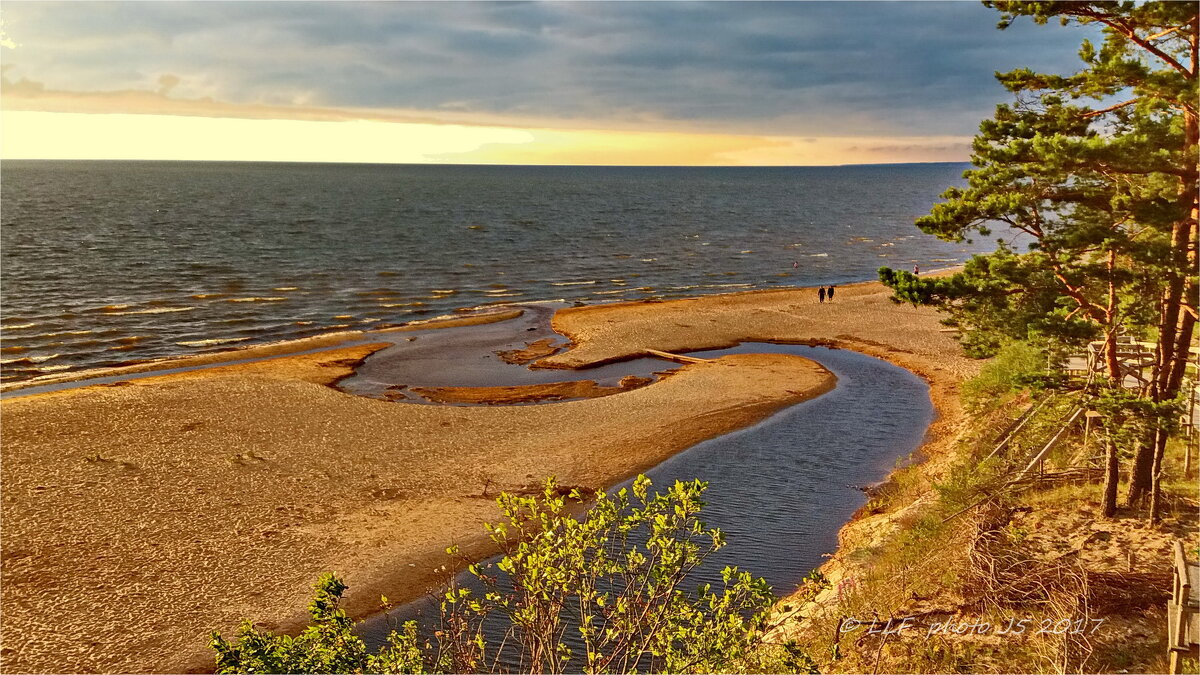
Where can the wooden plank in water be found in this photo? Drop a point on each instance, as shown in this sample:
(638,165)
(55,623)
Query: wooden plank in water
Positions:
(675,357)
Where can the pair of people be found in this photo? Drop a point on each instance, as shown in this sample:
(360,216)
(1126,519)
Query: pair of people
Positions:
(825,293)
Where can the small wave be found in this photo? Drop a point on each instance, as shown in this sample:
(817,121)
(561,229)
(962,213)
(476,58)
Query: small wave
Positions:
(303,323)
(343,317)
(19,326)
(727,285)
(401,304)
(748,251)
(207,296)
(648,259)
(258,299)
(282,289)
(28,360)
(51,369)
(155,310)
(888,244)
(572,283)
(493,294)
(209,343)
(64,332)
(616,292)
(819,255)
(444,291)
(113,308)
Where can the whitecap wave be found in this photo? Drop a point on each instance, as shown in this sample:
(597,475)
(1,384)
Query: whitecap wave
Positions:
(156,310)
(28,360)
(209,343)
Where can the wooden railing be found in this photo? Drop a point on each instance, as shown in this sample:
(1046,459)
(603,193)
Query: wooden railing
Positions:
(1183,612)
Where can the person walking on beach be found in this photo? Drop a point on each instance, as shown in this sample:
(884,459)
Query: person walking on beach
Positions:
(821,294)
(830,293)
(917,270)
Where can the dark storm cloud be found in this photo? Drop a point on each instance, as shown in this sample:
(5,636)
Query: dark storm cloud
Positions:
(812,68)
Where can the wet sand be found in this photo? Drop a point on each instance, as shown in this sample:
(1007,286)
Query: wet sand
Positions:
(140,517)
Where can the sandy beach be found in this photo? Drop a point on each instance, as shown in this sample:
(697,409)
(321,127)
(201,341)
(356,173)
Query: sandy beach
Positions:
(140,517)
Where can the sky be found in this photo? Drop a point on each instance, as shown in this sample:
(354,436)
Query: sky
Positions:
(660,83)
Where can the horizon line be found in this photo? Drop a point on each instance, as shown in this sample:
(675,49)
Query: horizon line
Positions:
(478,164)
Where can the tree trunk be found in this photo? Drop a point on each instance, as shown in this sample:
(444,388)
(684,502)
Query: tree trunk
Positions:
(1108,505)
(1111,365)
(1160,444)
(1176,324)
(1142,474)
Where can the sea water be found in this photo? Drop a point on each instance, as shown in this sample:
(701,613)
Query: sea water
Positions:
(105,263)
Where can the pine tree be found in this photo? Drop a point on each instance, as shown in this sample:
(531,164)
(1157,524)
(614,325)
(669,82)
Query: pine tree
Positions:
(1099,169)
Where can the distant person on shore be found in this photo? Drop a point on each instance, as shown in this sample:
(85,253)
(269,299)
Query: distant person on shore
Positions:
(830,293)
(917,270)
(821,294)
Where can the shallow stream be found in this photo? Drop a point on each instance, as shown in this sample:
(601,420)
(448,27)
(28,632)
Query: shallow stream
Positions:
(781,489)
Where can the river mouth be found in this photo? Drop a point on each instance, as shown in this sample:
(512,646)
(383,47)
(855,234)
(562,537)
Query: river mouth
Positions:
(420,362)
(781,489)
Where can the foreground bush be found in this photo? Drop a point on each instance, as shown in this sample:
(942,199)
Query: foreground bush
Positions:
(599,593)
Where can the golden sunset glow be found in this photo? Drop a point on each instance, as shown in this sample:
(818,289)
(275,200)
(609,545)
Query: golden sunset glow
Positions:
(61,135)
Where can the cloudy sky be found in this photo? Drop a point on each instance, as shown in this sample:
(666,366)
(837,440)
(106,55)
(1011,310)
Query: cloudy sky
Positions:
(510,82)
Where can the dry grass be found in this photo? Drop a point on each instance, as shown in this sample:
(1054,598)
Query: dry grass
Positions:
(976,549)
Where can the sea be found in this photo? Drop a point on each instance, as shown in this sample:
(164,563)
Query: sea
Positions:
(112,263)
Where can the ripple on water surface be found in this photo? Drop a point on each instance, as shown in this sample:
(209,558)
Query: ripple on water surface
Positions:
(86,245)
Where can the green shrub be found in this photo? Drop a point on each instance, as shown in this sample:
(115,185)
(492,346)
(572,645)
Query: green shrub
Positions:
(1017,365)
(613,577)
